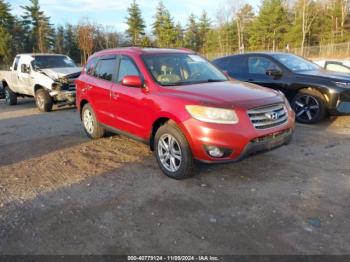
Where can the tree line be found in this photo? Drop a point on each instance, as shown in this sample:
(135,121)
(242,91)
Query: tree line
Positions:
(237,27)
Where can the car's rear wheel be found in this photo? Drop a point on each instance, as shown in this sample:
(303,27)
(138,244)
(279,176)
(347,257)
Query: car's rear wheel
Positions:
(173,152)
(91,126)
(309,106)
(43,100)
(10,97)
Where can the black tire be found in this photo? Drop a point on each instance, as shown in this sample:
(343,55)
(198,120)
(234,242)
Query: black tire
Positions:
(10,97)
(185,167)
(96,130)
(43,100)
(310,106)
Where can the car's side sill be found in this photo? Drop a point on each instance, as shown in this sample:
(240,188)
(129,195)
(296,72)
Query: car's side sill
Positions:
(124,133)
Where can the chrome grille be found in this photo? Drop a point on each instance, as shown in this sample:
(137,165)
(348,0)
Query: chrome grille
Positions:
(268,116)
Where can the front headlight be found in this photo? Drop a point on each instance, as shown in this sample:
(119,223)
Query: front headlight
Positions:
(285,101)
(342,84)
(212,114)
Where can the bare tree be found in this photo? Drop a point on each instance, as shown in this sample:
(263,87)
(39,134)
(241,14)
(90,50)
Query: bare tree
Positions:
(86,31)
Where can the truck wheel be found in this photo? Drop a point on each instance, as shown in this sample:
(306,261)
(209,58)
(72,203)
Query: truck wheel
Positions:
(309,106)
(10,97)
(173,152)
(43,100)
(92,127)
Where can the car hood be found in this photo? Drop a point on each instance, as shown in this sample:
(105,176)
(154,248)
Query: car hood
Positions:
(56,73)
(329,75)
(231,93)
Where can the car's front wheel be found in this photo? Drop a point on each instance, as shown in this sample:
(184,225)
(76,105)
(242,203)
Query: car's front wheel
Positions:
(43,100)
(173,152)
(10,97)
(309,106)
(91,126)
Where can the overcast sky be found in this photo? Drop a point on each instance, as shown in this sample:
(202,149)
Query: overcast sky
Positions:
(113,12)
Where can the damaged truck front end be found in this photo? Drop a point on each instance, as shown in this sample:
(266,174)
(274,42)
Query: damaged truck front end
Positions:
(63,89)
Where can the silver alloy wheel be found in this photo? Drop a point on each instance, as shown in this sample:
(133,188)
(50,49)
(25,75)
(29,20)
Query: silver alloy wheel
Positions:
(306,107)
(88,121)
(40,101)
(7,96)
(169,152)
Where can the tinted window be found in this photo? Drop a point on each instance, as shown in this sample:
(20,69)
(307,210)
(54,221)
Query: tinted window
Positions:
(106,68)
(222,63)
(91,66)
(127,68)
(258,65)
(15,66)
(238,65)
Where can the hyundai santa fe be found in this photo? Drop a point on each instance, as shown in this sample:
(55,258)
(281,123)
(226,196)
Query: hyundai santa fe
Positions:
(180,104)
(314,92)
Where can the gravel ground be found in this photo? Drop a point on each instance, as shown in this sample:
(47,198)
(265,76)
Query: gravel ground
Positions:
(61,193)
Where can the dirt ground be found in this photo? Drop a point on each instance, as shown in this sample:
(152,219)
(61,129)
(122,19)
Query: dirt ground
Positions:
(61,193)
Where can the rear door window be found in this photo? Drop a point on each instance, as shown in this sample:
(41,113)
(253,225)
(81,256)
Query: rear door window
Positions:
(106,68)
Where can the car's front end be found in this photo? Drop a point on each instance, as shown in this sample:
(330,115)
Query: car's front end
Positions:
(252,129)
(339,98)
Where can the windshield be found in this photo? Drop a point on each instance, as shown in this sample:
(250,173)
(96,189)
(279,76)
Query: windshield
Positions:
(181,69)
(50,61)
(295,63)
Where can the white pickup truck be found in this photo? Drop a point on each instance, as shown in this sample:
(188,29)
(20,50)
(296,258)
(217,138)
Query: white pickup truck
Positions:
(49,78)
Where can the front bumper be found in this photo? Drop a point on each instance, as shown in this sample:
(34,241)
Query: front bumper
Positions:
(340,103)
(242,139)
(64,96)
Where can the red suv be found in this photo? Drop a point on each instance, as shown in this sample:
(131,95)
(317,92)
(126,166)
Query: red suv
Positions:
(182,106)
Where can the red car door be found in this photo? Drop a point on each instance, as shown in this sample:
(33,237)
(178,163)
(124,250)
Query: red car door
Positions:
(130,105)
(99,88)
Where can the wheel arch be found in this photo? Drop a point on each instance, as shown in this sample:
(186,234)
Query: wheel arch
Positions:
(82,103)
(322,90)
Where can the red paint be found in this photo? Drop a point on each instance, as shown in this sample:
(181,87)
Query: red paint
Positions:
(135,110)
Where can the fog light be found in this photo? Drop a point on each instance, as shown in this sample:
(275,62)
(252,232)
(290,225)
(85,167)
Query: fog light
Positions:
(214,151)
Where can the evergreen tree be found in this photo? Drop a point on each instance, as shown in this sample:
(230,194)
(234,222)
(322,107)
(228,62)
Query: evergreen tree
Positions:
(192,34)
(204,25)
(179,35)
(6,27)
(163,27)
(136,25)
(38,27)
(59,40)
(269,28)
(71,43)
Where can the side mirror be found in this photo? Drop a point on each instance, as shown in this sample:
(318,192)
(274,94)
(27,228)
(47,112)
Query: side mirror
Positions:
(132,81)
(11,68)
(274,73)
(25,69)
